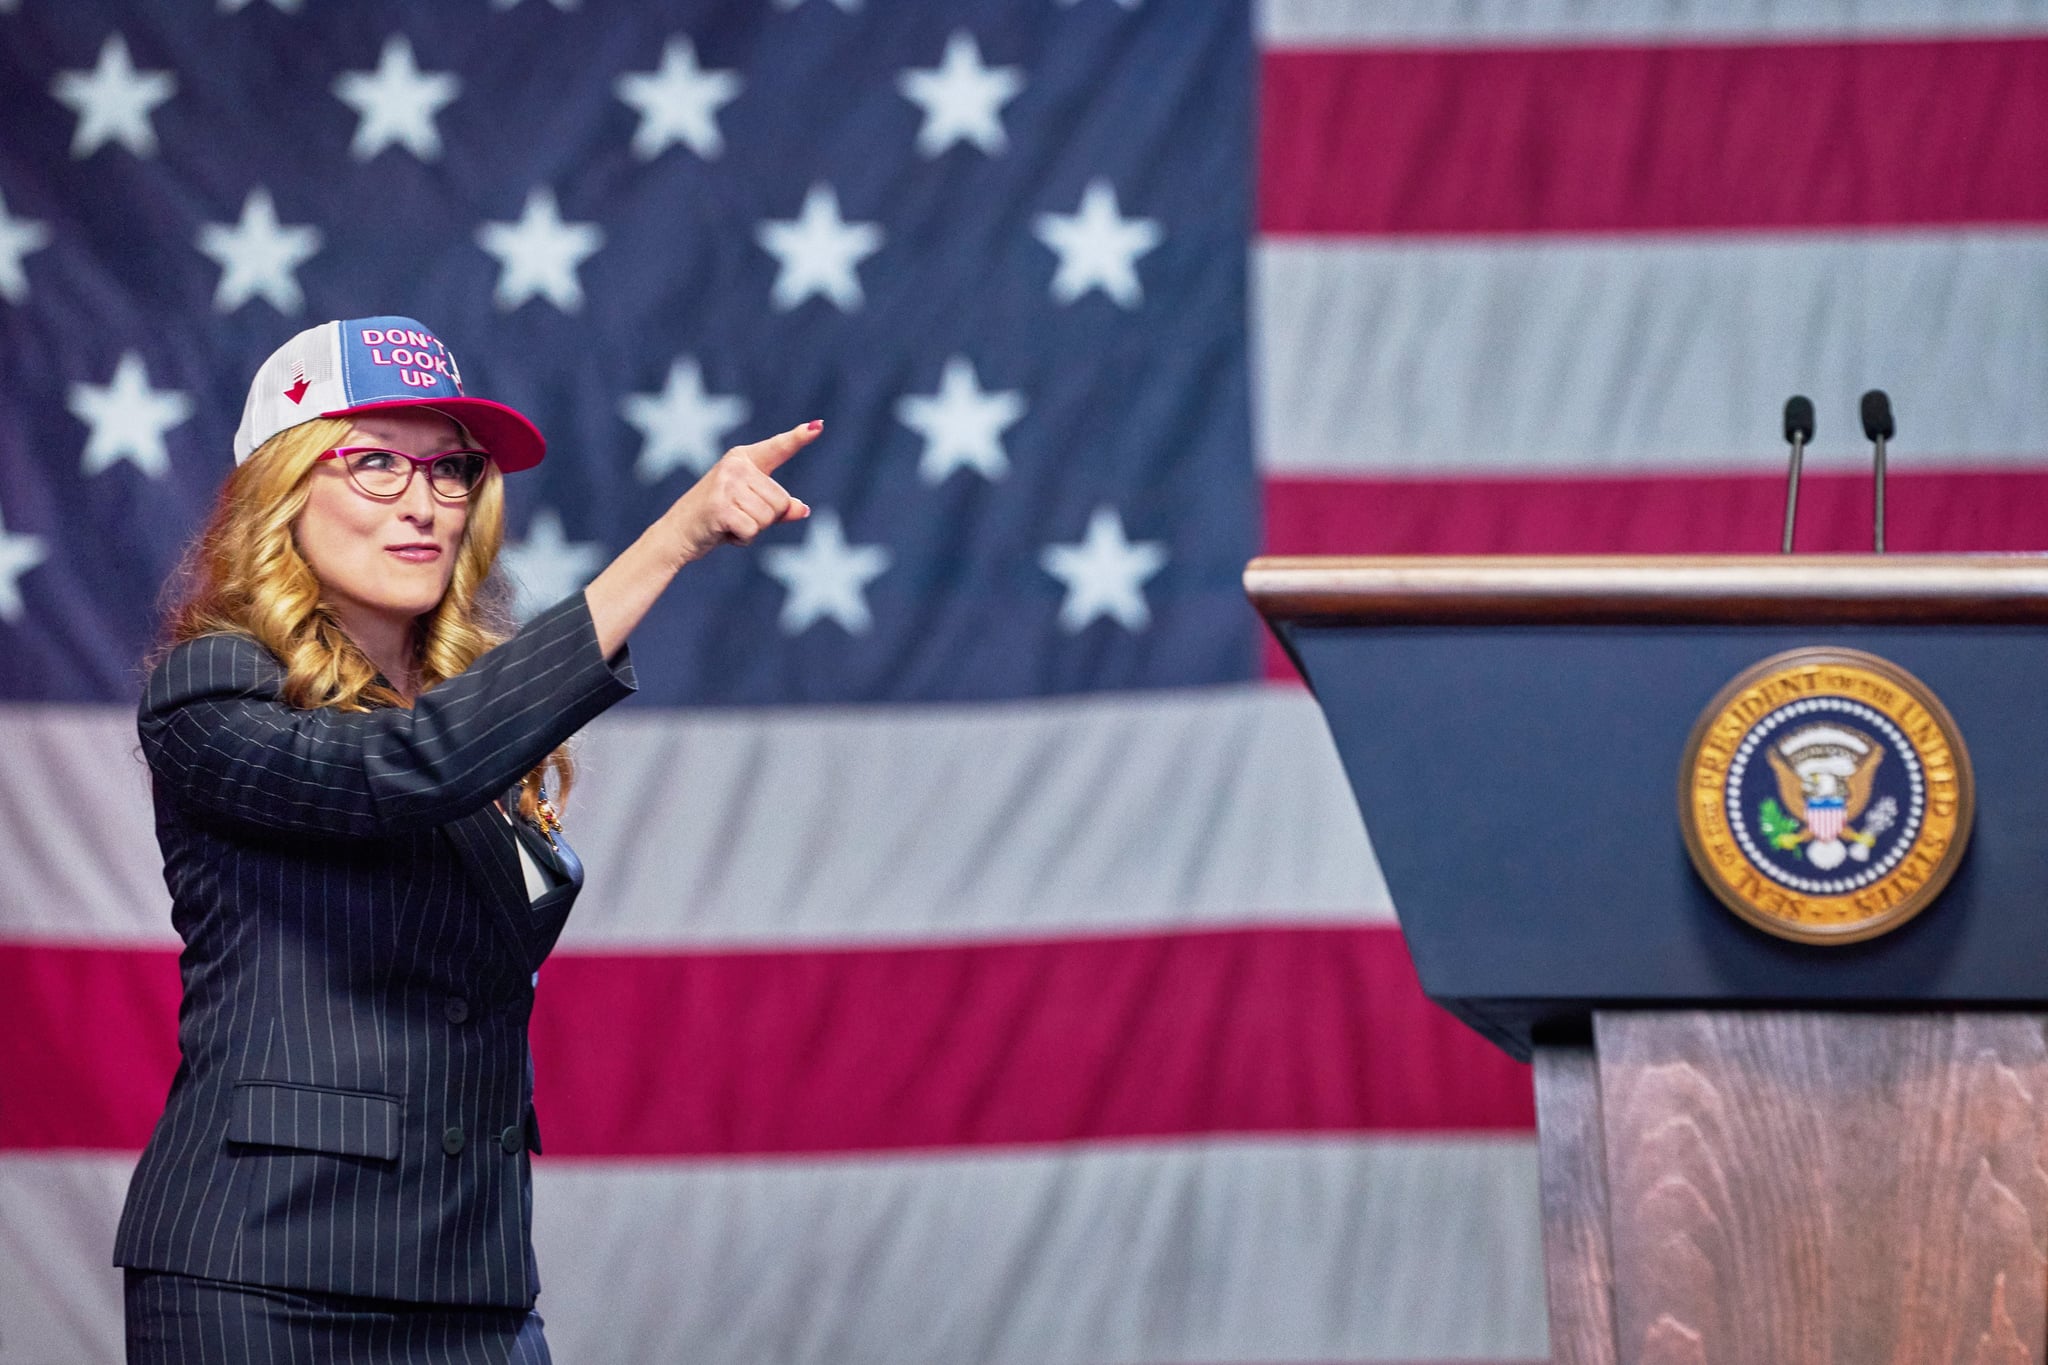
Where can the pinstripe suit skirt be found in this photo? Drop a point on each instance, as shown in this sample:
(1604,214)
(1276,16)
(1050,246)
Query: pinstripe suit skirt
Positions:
(179,1320)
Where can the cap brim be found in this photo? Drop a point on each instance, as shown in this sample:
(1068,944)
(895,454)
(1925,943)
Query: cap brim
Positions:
(512,441)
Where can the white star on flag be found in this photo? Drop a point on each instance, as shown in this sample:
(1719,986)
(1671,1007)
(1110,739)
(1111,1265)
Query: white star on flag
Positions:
(547,566)
(18,237)
(818,251)
(539,254)
(396,103)
(825,576)
(1098,247)
(237,6)
(19,553)
(257,256)
(683,426)
(962,424)
(113,101)
(128,419)
(845,6)
(962,99)
(1105,574)
(679,102)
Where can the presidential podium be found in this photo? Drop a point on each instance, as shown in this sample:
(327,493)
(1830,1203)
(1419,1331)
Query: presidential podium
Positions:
(1784,1113)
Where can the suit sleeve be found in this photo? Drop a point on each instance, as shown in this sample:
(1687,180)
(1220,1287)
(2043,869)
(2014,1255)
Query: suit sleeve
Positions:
(220,737)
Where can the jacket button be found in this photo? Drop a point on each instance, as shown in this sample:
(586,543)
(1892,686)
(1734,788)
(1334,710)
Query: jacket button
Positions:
(457,1009)
(452,1140)
(512,1140)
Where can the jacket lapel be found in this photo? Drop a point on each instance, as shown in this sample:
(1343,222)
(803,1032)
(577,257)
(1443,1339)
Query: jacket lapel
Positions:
(557,858)
(545,914)
(483,841)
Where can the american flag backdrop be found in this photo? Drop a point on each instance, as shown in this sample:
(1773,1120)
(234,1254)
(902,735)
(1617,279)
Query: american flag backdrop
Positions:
(982,959)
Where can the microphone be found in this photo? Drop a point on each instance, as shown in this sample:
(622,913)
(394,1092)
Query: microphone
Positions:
(1879,428)
(1798,430)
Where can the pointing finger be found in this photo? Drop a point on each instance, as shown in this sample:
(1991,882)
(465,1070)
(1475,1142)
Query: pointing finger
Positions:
(768,455)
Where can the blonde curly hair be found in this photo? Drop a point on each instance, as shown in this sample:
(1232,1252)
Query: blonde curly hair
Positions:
(244,574)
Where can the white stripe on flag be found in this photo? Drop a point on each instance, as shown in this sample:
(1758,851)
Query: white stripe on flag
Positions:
(1108,813)
(60,1296)
(1225,1251)
(1362,23)
(76,829)
(1094,814)
(1641,354)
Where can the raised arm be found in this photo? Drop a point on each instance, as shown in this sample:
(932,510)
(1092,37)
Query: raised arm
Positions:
(735,501)
(222,740)
(218,733)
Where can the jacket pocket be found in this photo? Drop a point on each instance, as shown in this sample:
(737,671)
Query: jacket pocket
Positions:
(313,1118)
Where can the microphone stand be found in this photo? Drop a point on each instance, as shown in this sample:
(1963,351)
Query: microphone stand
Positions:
(1880,427)
(1792,491)
(1798,430)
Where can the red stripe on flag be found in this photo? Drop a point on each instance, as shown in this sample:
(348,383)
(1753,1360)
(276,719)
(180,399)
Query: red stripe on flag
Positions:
(90,1042)
(1257,1030)
(1957,512)
(1307,1030)
(1632,139)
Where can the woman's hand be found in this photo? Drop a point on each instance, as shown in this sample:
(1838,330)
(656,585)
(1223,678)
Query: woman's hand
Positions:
(735,501)
(737,498)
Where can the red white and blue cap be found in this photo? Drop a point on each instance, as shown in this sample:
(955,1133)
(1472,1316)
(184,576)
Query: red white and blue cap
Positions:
(339,369)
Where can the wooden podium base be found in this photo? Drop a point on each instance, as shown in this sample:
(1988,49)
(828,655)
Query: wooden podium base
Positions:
(1762,1188)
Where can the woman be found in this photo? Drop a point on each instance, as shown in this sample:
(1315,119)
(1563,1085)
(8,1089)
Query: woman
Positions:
(350,766)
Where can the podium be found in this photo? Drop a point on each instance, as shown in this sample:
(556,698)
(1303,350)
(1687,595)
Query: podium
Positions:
(1753,1148)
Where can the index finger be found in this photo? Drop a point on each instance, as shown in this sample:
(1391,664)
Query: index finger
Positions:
(769,455)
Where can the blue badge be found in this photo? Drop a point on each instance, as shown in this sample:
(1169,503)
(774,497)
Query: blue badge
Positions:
(394,359)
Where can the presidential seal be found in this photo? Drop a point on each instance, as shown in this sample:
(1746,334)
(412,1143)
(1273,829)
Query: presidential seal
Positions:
(1826,796)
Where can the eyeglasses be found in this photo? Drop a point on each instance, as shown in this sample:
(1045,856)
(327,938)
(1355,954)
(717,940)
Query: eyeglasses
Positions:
(387,474)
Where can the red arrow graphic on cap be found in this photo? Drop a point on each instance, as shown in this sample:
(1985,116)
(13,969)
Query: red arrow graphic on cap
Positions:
(298,390)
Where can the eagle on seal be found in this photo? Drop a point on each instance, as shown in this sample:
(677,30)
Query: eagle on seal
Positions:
(1825,774)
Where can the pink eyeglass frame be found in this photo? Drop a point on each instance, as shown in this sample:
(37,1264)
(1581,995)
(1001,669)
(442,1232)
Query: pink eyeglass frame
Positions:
(341,452)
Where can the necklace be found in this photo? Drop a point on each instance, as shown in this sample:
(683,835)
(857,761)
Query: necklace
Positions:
(550,818)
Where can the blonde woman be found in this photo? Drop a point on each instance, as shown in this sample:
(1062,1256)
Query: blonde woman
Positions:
(355,771)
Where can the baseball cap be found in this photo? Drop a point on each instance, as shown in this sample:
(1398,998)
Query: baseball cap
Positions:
(339,369)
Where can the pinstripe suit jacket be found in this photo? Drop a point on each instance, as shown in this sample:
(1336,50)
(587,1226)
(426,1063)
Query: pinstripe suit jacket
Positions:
(352,1108)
